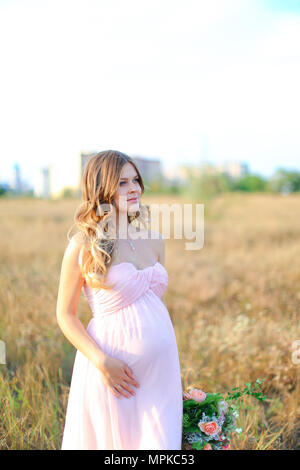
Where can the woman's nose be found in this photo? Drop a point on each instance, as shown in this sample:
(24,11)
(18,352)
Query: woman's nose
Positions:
(133,188)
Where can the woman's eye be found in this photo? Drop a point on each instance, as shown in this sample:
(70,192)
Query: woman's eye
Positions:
(137,180)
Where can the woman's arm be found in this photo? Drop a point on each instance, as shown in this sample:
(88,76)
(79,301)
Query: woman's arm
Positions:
(70,285)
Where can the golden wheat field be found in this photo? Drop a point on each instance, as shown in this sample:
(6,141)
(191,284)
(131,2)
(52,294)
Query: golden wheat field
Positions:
(234,305)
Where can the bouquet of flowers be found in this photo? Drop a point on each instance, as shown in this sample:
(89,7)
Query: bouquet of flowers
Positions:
(209,419)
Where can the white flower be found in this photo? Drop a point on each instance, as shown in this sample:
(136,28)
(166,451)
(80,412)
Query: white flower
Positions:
(238,430)
(222,406)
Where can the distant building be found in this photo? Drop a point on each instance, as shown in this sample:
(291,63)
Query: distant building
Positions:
(16,182)
(176,175)
(71,179)
(84,157)
(181,173)
(234,170)
(150,169)
(16,185)
(42,185)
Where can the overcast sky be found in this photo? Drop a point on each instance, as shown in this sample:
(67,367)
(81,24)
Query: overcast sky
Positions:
(185,81)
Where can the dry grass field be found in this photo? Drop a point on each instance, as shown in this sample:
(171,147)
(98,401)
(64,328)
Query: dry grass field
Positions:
(234,305)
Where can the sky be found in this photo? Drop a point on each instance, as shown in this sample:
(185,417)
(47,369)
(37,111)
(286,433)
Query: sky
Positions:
(185,81)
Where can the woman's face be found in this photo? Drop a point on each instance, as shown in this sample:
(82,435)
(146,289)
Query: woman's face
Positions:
(128,188)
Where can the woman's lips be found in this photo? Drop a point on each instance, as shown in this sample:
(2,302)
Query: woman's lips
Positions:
(135,199)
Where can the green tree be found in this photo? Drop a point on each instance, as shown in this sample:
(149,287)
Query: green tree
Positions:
(160,186)
(249,183)
(3,191)
(68,192)
(205,185)
(285,181)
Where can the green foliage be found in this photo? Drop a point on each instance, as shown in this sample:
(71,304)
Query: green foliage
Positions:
(198,445)
(223,416)
(3,190)
(285,181)
(206,185)
(159,186)
(248,390)
(68,192)
(192,415)
(250,183)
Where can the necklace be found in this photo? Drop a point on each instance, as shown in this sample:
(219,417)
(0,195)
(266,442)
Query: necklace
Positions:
(131,244)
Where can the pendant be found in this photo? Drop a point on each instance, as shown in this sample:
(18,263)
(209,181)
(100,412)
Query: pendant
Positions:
(131,245)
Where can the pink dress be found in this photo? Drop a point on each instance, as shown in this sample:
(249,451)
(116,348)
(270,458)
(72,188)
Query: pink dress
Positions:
(130,323)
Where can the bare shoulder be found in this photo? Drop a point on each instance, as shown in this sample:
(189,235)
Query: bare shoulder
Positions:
(79,239)
(71,279)
(75,250)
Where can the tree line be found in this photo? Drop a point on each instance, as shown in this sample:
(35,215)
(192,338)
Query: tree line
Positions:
(209,184)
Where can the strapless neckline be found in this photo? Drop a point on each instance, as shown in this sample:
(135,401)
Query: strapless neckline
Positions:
(131,264)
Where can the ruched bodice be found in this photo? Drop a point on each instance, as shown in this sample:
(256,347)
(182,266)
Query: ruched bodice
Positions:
(130,284)
(130,323)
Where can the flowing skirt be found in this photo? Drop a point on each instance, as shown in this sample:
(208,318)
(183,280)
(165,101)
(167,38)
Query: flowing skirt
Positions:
(142,336)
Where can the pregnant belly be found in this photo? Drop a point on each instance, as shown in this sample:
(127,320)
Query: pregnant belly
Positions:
(141,335)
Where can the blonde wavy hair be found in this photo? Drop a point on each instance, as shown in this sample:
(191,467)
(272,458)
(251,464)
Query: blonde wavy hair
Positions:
(93,217)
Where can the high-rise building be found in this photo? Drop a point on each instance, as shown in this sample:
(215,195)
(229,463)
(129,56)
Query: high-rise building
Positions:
(42,185)
(71,181)
(150,169)
(16,182)
(84,157)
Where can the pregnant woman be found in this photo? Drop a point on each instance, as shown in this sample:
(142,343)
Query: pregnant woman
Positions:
(126,390)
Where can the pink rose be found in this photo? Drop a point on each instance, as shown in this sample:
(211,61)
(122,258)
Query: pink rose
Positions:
(196,395)
(210,428)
